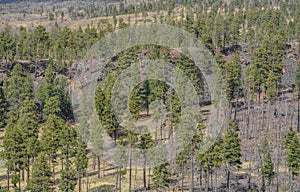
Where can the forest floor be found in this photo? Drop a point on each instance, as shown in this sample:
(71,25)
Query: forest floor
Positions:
(34,20)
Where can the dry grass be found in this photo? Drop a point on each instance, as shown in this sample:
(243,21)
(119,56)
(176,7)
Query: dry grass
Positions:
(34,20)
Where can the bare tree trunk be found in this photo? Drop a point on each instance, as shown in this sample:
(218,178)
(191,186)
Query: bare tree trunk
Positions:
(290,181)
(103,172)
(216,181)
(22,175)
(228,179)
(79,183)
(182,175)
(120,183)
(144,172)
(87,183)
(200,179)
(207,180)
(117,178)
(28,169)
(263,186)
(211,178)
(149,171)
(19,183)
(98,166)
(94,163)
(130,169)
(15,185)
(8,177)
(192,175)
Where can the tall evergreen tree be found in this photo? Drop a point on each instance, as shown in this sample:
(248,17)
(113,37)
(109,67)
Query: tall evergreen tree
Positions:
(145,143)
(232,149)
(14,149)
(81,160)
(292,147)
(67,146)
(51,128)
(40,180)
(28,124)
(47,90)
(161,176)
(17,88)
(268,168)
(2,108)
(67,178)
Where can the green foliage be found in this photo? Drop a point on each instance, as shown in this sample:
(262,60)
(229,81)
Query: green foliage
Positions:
(81,160)
(40,180)
(55,87)
(46,90)
(268,168)
(28,125)
(2,108)
(52,107)
(14,148)
(292,147)
(67,141)
(161,176)
(232,75)
(265,71)
(212,158)
(51,128)
(17,88)
(297,76)
(41,41)
(20,139)
(106,116)
(7,45)
(231,145)
(146,141)
(67,178)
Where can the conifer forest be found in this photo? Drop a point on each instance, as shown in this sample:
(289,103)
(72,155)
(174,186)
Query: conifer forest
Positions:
(47,145)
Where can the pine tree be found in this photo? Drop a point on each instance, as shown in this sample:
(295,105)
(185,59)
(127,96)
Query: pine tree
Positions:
(131,138)
(41,44)
(67,181)
(65,105)
(67,146)
(161,176)
(258,70)
(268,168)
(97,143)
(231,72)
(40,180)
(14,151)
(81,160)
(47,90)
(52,107)
(232,149)
(7,46)
(292,147)
(28,124)
(51,128)
(67,142)
(2,108)
(271,87)
(146,142)
(53,86)
(17,88)
(121,160)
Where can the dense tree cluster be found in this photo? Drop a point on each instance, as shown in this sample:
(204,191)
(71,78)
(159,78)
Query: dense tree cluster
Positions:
(249,41)
(37,135)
